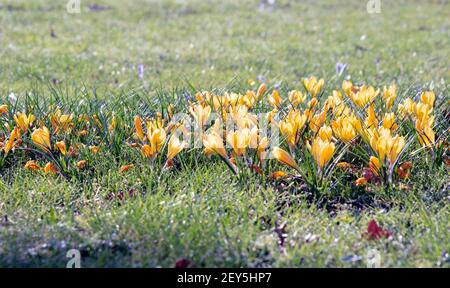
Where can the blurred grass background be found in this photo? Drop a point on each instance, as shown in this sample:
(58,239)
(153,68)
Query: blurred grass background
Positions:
(210,42)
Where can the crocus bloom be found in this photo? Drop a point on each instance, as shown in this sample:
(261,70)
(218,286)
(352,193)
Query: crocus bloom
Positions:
(322,151)
(428,98)
(94,149)
(261,90)
(239,141)
(214,144)
(3,109)
(201,114)
(32,165)
(374,165)
(49,168)
(325,133)
(61,145)
(284,157)
(41,138)
(126,168)
(23,120)
(275,99)
(389,121)
(81,164)
(175,146)
(389,95)
(15,134)
(138,127)
(312,85)
(346,127)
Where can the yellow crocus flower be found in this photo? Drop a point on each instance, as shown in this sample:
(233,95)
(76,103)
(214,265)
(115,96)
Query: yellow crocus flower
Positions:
(348,88)
(271,115)
(239,141)
(291,126)
(389,121)
(296,97)
(333,101)
(147,151)
(371,120)
(61,122)
(261,90)
(138,128)
(61,145)
(249,99)
(325,133)
(408,107)
(423,110)
(346,128)
(94,149)
(386,145)
(275,99)
(15,134)
(322,151)
(289,131)
(425,131)
(397,147)
(156,139)
(49,168)
(317,121)
(375,165)
(81,164)
(312,85)
(214,144)
(389,95)
(364,95)
(41,138)
(32,165)
(427,137)
(175,146)
(201,114)
(3,109)
(428,98)
(262,146)
(23,121)
(284,157)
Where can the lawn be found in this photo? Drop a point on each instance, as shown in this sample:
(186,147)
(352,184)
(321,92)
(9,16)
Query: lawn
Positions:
(121,59)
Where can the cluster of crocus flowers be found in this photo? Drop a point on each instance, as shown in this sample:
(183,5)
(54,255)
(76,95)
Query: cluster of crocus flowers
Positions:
(425,119)
(320,128)
(346,128)
(153,140)
(313,85)
(292,125)
(235,135)
(361,96)
(61,122)
(386,145)
(315,131)
(304,125)
(48,168)
(24,121)
(421,113)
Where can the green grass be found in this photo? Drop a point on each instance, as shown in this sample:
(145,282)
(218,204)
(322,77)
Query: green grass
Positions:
(200,211)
